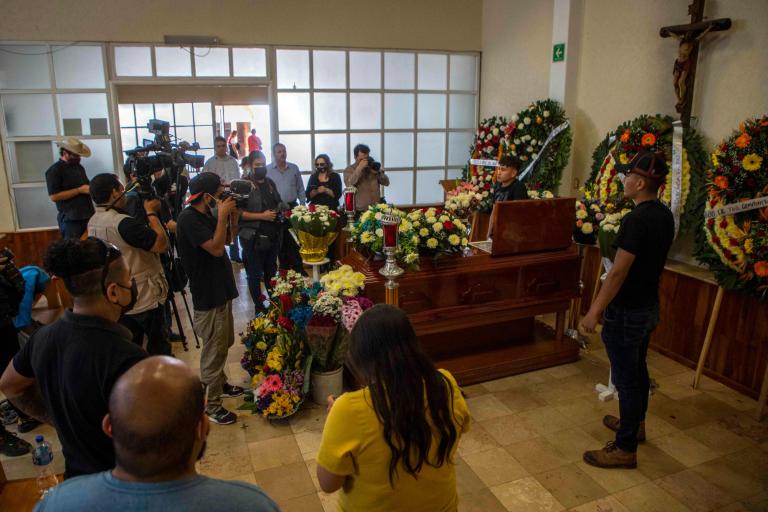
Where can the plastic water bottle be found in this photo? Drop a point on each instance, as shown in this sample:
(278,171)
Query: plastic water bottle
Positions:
(42,458)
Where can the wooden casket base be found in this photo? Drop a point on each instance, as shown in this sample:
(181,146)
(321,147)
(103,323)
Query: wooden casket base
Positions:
(475,315)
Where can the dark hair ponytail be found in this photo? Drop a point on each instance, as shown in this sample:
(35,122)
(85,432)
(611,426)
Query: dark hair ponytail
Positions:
(385,355)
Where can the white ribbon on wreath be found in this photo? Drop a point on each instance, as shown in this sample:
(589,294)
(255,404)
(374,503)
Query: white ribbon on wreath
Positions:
(677,172)
(732,209)
(554,133)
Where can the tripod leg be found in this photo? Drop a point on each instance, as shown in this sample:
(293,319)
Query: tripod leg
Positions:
(178,322)
(189,315)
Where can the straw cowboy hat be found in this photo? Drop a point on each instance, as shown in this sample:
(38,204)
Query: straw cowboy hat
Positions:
(75,146)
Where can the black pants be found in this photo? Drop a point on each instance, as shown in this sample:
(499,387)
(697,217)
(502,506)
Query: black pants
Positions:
(71,228)
(259,265)
(151,323)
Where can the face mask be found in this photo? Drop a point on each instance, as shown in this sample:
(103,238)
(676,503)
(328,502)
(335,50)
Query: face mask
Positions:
(259,173)
(134,296)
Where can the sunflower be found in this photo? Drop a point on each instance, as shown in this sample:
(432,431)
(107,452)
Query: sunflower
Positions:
(751,162)
(648,139)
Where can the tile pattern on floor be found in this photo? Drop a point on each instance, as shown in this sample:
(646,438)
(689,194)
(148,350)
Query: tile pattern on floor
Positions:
(704,452)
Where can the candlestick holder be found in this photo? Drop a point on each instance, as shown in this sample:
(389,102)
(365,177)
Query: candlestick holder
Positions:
(391,271)
(349,208)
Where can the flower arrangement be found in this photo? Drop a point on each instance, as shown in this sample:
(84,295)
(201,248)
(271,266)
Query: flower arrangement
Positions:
(652,133)
(540,194)
(368,234)
(735,247)
(464,200)
(313,219)
(343,281)
(438,231)
(486,145)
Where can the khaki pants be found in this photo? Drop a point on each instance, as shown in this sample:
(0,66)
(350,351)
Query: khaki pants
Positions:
(216,328)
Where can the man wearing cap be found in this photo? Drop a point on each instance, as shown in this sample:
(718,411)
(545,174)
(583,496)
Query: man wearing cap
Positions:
(201,237)
(68,188)
(508,187)
(629,303)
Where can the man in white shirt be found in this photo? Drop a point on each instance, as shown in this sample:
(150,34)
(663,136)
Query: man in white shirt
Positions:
(222,163)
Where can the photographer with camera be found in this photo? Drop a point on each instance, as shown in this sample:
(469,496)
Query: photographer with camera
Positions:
(260,228)
(201,238)
(141,245)
(287,177)
(68,187)
(226,166)
(367,176)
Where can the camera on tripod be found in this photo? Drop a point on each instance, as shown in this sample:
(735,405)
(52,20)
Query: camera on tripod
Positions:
(168,156)
(373,164)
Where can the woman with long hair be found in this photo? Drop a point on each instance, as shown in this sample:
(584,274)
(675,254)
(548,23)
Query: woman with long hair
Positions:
(391,444)
(324,185)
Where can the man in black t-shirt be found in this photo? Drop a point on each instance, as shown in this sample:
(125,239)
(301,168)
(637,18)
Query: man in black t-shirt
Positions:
(68,188)
(142,243)
(65,372)
(200,240)
(629,299)
(508,187)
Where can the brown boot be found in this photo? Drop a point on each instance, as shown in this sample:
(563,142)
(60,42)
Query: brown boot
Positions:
(614,423)
(611,457)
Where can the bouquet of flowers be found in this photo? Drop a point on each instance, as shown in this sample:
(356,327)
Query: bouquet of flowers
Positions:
(368,234)
(343,281)
(438,231)
(540,194)
(315,220)
(464,200)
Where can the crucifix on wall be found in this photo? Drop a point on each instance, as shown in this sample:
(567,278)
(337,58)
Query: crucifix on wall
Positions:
(684,71)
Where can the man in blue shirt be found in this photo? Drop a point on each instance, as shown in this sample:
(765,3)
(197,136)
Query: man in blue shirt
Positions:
(158,424)
(290,186)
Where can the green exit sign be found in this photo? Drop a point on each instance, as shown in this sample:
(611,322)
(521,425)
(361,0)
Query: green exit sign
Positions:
(558,52)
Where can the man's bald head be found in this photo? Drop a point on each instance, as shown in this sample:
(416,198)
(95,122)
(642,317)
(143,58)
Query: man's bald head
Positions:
(154,410)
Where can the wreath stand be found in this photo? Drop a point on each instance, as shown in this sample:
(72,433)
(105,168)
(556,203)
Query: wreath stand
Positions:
(572,330)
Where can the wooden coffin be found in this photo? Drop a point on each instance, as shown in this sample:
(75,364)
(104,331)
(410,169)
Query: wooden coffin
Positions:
(474,315)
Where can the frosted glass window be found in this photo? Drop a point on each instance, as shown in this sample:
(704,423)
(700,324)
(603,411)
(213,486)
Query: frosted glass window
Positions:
(183,113)
(249,61)
(128,138)
(430,149)
(78,67)
(398,110)
(204,136)
(458,147)
(203,113)
(299,149)
(431,111)
(211,61)
(32,160)
(292,69)
(330,111)
(34,208)
(372,140)
(125,115)
(365,111)
(364,70)
(428,188)
(27,71)
(454,174)
(433,71)
(133,61)
(186,133)
(293,111)
(330,69)
(463,72)
(144,113)
(29,114)
(400,189)
(399,70)
(305,180)
(398,150)
(462,111)
(164,112)
(173,61)
(101,159)
(90,109)
(335,146)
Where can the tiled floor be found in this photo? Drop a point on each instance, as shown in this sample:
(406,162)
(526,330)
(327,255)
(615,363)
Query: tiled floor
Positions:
(704,451)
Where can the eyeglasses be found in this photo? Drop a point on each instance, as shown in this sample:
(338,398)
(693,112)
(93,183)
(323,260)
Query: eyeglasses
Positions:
(111,253)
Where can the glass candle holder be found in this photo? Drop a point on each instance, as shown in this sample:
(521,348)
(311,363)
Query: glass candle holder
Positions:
(390,225)
(349,199)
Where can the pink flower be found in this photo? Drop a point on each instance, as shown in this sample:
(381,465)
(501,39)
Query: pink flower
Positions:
(350,312)
(270,384)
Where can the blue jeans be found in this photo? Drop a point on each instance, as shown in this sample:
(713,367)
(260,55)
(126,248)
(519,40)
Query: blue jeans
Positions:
(626,333)
(259,265)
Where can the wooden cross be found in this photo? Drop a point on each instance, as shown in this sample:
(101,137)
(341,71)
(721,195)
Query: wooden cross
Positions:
(684,70)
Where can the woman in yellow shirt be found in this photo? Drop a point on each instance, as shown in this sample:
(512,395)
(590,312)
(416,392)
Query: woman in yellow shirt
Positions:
(391,445)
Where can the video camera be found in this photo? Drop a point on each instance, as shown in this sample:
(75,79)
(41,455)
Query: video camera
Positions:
(169,156)
(373,164)
(239,190)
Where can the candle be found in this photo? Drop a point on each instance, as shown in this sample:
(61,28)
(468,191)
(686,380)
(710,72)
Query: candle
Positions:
(390,235)
(349,199)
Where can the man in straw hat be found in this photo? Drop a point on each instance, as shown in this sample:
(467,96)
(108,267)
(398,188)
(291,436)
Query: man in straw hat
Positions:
(68,188)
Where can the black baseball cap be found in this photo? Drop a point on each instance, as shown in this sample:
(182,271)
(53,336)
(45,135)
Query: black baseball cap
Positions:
(203,183)
(647,164)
